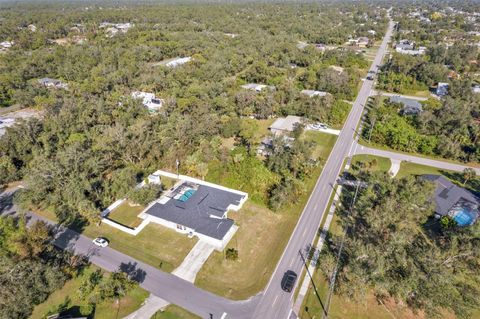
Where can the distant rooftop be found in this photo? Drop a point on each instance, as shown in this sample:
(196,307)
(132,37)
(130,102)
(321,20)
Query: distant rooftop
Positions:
(312,93)
(256,87)
(410,106)
(285,124)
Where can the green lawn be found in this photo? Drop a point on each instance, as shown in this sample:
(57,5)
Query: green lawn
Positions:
(371,163)
(341,308)
(126,214)
(155,245)
(260,240)
(363,142)
(174,312)
(407,168)
(324,143)
(105,310)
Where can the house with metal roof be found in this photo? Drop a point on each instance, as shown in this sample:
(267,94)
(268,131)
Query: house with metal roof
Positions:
(284,125)
(454,201)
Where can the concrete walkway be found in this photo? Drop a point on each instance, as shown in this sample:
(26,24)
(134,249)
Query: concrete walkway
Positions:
(188,270)
(393,171)
(194,261)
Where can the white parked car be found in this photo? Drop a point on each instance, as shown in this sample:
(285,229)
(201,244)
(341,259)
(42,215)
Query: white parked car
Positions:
(101,242)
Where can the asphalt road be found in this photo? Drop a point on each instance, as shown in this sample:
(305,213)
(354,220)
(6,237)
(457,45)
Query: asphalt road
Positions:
(275,303)
(360,149)
(164,285)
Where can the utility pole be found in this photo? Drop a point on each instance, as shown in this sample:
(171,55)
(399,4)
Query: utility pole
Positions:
(177,162)
(371,130)
(334,274)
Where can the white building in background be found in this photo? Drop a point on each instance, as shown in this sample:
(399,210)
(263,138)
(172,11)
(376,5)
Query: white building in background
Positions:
(285,125)
(6,44)
(257,87)
(178,61)
(312,93)
(149,100)
(476,89)
(52,83)
(4,123)
(114,28)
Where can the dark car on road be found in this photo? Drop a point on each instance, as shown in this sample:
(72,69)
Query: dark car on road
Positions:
(288,281)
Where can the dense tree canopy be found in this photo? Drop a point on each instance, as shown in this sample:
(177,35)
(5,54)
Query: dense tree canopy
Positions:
(92,142)
(395,249)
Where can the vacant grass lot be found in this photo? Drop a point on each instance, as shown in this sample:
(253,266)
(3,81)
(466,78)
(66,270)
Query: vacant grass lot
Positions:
(371,163)
(407,168)
(105,310)
(324,143)
(174,312)
(126,214)
(260,241)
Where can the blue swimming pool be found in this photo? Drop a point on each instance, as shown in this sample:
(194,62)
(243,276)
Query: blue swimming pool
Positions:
(464,218)
(185,196)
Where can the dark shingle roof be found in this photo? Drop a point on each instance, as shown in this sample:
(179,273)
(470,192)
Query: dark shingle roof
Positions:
(410,106)
(196,211)
(448,194)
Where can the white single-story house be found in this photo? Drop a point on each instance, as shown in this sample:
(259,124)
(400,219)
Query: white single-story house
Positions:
(52,83)
(409,47)
(361,42)
(114,28)
(4,123)
(6,44)
(284,125)
(257,87)
(178,61)
(312,93)
(198,208)
(476,89)
(149,100)
(192,207)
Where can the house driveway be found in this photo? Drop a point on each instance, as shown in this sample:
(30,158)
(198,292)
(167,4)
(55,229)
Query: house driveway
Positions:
(188,270)
(194,261)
